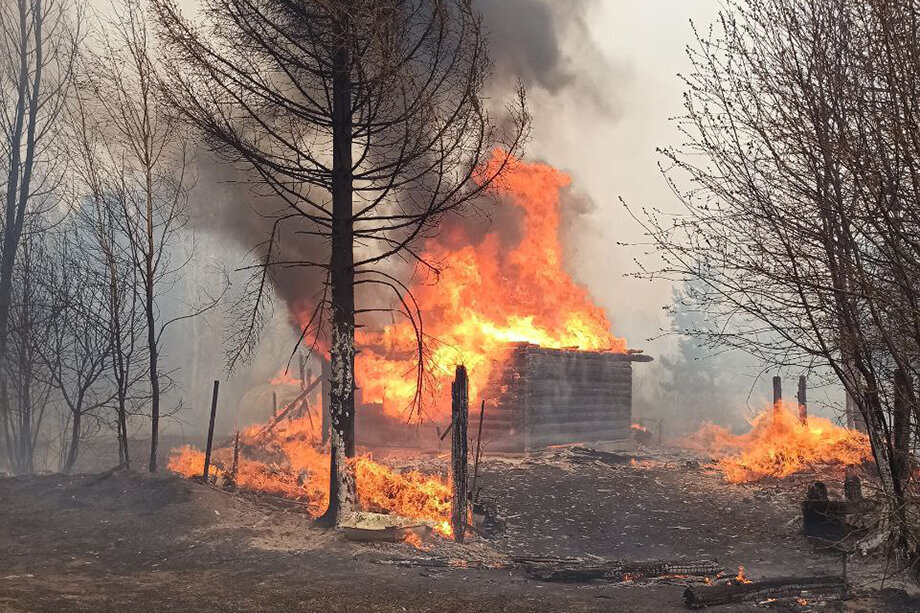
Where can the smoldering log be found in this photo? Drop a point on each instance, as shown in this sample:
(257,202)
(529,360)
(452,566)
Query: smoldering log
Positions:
(698,597)
(458,452)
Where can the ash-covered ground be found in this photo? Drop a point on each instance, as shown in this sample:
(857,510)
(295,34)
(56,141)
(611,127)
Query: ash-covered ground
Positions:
(133,542)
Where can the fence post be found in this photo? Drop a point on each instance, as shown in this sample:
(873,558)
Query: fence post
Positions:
(207,453)
(458,452)
(803,400)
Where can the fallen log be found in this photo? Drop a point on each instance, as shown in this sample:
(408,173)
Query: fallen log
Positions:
(698,597)
(592,570)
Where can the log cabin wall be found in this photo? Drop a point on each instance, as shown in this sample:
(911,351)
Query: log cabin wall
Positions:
(546,397)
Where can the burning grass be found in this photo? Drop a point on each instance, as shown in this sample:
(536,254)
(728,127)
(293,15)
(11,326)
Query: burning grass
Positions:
(779,445)
(291,465)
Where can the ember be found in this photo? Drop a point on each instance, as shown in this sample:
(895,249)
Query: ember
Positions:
(780,445)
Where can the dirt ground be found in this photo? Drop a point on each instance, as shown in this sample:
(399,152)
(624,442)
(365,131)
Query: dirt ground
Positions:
(139,543)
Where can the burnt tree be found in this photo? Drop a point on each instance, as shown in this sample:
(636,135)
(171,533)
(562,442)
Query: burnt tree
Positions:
(366,120)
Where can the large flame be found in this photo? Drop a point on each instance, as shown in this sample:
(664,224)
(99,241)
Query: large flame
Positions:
(779,445)
(487,296)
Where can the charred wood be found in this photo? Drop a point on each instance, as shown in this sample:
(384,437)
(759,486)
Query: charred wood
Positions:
(698,597)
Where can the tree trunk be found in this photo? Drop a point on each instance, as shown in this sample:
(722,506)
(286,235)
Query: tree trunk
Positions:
(74,448)
(326,374)
(342,490)
(151,328)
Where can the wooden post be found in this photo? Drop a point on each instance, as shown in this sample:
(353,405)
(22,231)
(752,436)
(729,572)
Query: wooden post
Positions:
(303,364)
(236,456)
(274,403)
(901,424)
(803,400)
(207,453)
(777,396)
(458,452)
(478,454)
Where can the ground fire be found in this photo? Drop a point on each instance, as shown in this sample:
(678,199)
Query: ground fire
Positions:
(414,306)
(487,300)
(779,444)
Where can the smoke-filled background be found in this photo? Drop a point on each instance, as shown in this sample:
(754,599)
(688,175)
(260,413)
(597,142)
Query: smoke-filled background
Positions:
(601,79)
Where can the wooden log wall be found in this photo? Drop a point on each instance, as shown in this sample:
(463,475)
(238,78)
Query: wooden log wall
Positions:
(547,397)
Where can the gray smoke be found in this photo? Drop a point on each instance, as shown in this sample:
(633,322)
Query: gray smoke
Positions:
(547,45)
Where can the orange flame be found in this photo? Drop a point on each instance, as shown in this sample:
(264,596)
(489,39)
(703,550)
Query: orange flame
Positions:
(284,377)
(779,445)
(486,297)
(299,470)
(741,577)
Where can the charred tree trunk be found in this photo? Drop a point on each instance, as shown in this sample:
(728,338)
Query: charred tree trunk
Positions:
(342,494)
(326,374)
(458,453)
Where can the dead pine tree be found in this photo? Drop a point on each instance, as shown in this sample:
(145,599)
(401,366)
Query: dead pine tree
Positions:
(367,120)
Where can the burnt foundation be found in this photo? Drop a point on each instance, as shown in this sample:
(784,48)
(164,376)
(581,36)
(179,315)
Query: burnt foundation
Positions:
(545,397)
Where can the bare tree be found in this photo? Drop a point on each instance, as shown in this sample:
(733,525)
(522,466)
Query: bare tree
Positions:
(154,168)
(366,119)
(77,350)
(800,220)
(29,391)
(99,175)
(38,41)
